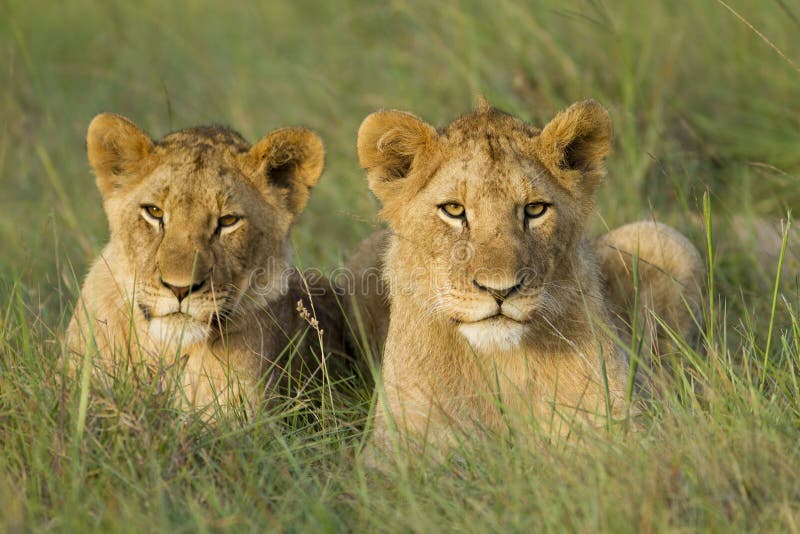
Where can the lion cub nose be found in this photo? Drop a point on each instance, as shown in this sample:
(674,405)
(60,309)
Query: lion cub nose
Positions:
(181,292)
(498,293)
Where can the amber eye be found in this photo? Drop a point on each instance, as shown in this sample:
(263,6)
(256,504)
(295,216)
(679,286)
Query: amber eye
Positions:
(453,210)
(154,211)
(228,220)
(535,209)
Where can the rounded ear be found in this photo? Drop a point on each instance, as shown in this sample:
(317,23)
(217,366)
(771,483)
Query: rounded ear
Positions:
(574,145)
(118,152)
(390,144)
(290,160)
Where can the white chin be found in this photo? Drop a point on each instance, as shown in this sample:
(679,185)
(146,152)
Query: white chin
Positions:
(493,334)
(177,331)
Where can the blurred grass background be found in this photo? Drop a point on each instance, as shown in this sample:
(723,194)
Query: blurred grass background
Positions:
(699,102)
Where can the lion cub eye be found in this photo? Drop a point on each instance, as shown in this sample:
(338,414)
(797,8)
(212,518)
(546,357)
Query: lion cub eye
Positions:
(154,212)
(228,220)
(534,210)
(453,210)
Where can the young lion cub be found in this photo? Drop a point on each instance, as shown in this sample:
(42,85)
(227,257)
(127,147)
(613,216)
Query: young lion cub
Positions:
(195,274)
(498,308)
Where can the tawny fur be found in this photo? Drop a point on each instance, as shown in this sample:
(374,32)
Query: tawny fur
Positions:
(448,367)
(666,293)
(662,300)
(238,336)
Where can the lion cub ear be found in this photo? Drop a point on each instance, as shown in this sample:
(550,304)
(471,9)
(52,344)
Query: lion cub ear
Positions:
(391,146)
(574,145)
(291,160)
(118,152)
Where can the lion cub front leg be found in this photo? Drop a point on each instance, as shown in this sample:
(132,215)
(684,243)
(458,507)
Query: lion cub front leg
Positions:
(211,381)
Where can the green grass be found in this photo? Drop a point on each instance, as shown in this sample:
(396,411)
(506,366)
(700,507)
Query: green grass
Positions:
(700,103)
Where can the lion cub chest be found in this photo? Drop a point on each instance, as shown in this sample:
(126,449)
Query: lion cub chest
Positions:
(538,387)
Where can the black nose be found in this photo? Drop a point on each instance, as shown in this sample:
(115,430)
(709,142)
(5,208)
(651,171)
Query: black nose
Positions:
(181,292)
(499,294)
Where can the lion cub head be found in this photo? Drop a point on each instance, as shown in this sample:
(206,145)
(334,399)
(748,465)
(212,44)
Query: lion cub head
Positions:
(488,214)
(201,217)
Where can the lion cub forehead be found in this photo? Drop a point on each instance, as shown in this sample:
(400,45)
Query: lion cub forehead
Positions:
(493,143)
(202,153)
(205,136)
(488,123)
(489,153)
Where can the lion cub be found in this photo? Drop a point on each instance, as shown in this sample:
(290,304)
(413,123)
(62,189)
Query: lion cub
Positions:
(498,306)
(196,272)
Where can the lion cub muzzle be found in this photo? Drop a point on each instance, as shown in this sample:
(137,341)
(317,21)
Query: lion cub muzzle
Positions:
(181,292)
(496,319)
(499,291)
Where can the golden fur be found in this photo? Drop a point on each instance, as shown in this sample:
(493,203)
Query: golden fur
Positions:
(666,288)
(196,271)
(497,314)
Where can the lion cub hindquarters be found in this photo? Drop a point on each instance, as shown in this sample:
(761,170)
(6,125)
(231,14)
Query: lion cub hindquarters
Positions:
(195,273)
(494,290)
(668,289)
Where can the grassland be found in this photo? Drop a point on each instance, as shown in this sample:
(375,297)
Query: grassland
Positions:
(702,100)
